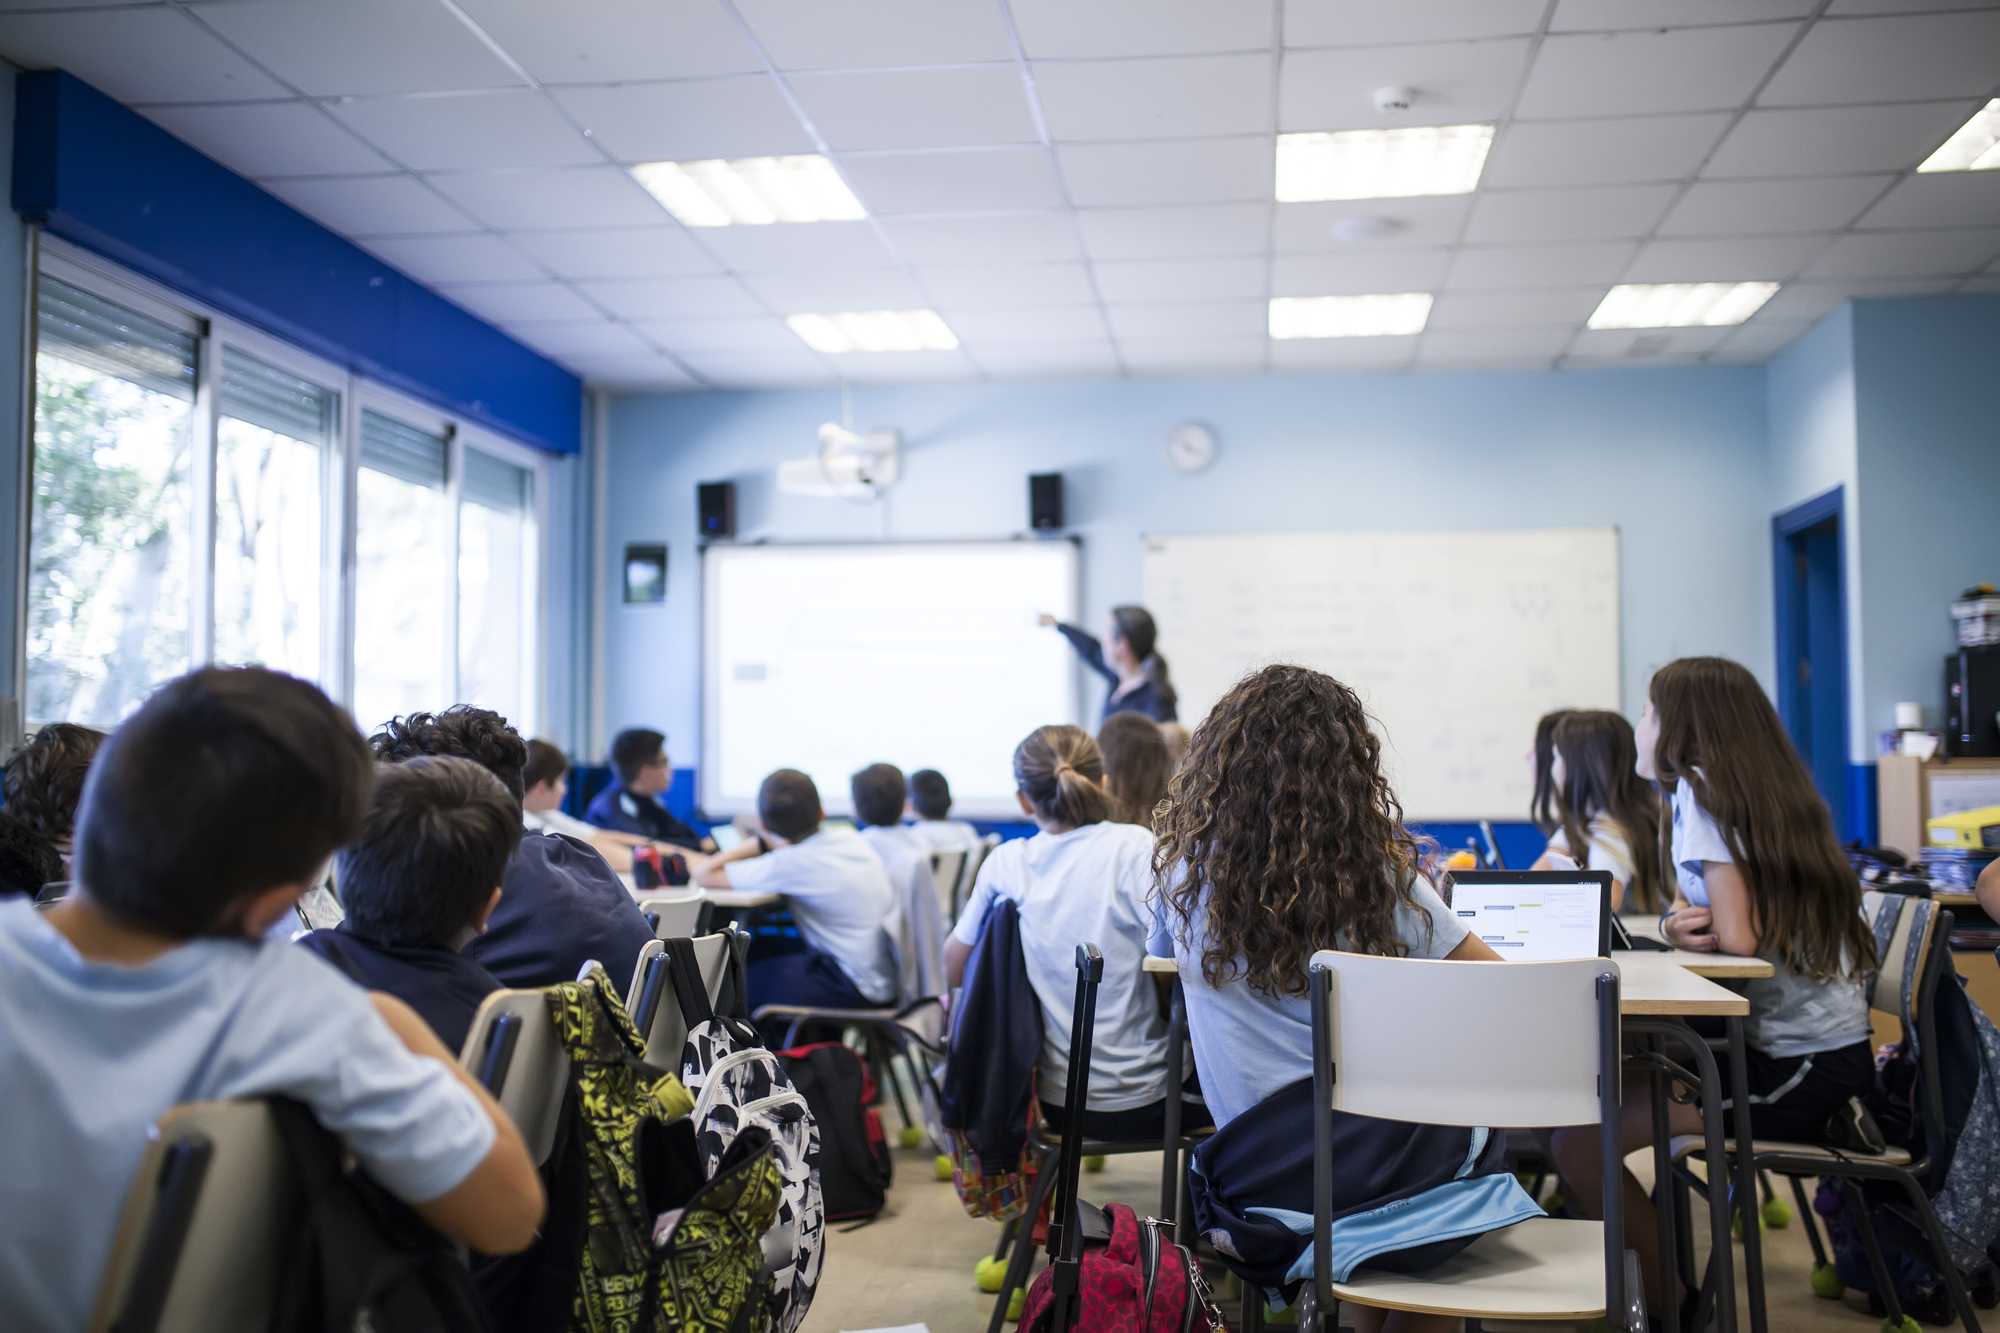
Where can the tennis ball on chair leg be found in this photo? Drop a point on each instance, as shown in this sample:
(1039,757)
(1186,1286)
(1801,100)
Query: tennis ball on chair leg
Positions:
(1777,1213)
(989,1273)
(1093,1164)
(1826,1283)
(1908,1325)
(943,1167)
(909,1136)
(1019,1301)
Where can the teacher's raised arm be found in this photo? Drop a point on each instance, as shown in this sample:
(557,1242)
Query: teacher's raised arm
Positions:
(1126,658)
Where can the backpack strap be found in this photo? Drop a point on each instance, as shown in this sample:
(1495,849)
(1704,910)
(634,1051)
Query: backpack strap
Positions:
(684,970)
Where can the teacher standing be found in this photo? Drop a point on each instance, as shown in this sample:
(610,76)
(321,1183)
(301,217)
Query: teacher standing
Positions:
(1138,675)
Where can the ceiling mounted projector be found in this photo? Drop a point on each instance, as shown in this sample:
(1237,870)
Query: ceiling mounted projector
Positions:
(848,466)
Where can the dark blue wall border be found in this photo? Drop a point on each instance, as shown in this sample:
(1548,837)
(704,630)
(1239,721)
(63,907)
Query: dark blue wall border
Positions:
(104,177)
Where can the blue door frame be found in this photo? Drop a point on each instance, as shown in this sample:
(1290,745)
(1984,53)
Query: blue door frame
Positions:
(1809,574)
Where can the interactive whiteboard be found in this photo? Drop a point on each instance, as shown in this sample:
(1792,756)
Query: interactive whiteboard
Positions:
(1456,641)
(830,658)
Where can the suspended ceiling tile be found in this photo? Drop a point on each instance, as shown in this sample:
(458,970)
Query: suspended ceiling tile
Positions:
(601,338)
(1020,238)
(1907,254)
(906,367)
(1983,285)
(1812,301)
(790,246)
(1063,29)
(1358,274)
(1456,83)
(469,132)
(759,370)
(1370,23)
(136,55)
(1193,356)
(1422,223)
(877,34)
(1093,359)
(616,41)
(357,47)
(1836,140)
(918,108)
(1903,59)
(551,197)
(989,180)
(258,139)
(1737,208)
(372,205)
(1341,354)
(615,252)
(1191,319)
(1527,267)
(1635,343)
(674,298)
(520,302)
(1602,152)
(995,286)
(1731,259)
(1843,8)
(1183,279)
(474,258)
(1184,171)
(1608,15)
(1639,73)
(1158,233)
(1941,199)
(826,291)
(1026,324)
(1761,339)
(753,333)
(1523,345)
(1607,212)
(1493,311)
(690,121)
(1159,98)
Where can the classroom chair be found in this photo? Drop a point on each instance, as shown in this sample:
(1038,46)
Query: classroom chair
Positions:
(203,1235)
(947,869)
(1519,1046)
(514,1051)
(1905,987)
(720,958)
(980,851)
(682,914)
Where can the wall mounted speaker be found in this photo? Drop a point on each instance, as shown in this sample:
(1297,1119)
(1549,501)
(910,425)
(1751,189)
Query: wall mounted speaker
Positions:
(1045,501)
(716,503)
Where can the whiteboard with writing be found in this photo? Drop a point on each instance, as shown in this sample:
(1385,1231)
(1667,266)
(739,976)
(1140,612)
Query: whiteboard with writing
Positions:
(1457,642)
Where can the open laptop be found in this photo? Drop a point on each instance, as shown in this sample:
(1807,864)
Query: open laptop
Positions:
(1536,915)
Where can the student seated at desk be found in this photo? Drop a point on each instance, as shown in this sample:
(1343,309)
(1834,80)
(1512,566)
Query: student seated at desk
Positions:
(1281,837)
(837,890)
(418,884)
(1137,765)
(562,906)
(546,779)
(879,792)
(28,861)
(632,803)
(44,781)
(204,819)
(1081,877)
(1758,873)
(1598,802)
(930,805)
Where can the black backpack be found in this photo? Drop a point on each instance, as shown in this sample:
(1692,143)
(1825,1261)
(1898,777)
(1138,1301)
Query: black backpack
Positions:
(362,1258)
(854,1162)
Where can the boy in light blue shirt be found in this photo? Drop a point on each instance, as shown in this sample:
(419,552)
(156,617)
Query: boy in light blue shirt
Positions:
(204,819)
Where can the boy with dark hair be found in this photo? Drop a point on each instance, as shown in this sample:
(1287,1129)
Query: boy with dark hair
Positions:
(547,781)
(918,928)
(203,820)
(27,859)
(419,884)
(631,804)
(44,781)
(563,906)
(930,802)
(838,893)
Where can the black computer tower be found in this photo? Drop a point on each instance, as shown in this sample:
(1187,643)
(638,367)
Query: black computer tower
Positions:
(1972,701)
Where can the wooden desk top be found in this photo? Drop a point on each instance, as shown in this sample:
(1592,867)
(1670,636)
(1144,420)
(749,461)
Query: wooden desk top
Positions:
(742,898)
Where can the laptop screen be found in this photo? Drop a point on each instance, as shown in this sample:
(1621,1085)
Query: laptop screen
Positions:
(1536,917)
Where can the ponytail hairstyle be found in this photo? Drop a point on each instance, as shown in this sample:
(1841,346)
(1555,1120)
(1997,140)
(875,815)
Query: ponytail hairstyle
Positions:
(1601,777)
(1720,735)
(1061,773)
(1136,627)
(1541,806)
(1137,764)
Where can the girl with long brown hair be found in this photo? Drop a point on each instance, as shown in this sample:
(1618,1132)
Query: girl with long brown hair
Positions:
(1137,764)
(1541,765)
(1604,811)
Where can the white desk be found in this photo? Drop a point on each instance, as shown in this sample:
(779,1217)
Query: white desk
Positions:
(743,898)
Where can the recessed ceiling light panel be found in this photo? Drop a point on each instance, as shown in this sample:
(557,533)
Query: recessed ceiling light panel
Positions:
(1381,164)
(1349,316)
(874,331)
(751,191)
(1680,305)
(1976,146)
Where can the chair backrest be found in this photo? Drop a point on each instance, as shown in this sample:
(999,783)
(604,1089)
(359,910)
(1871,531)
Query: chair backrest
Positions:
(947,867)
(678,915)
(1436,1043)
(1905,932)
(666,1033)
(212,1209)
(650,950)
(980,851)
(513,1049)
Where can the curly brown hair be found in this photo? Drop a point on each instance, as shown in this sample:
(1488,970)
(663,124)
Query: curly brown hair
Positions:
(461,731)
(1280,830)
(44,778)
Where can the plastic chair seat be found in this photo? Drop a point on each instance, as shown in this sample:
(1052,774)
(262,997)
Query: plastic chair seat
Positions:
(1687,1144)
(1544,1268)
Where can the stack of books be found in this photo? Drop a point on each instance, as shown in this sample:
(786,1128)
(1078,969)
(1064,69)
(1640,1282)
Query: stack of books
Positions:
(1955,869)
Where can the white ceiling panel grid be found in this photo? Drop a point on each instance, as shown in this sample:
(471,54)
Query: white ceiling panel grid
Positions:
(1603,152)
(513,128)
(1633,73)
(617,41)
(1459,82)
(271,139)
(1168,98)
(358,47)
(1368,23)
(917,108)
(1064,29)
(691,120)
(137,55)
(1749,208)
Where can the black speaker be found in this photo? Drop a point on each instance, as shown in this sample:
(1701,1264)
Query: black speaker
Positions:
(717,502)
(1972,701)
(1045,507)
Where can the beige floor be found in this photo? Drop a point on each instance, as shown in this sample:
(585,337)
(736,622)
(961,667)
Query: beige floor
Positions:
(913,1264)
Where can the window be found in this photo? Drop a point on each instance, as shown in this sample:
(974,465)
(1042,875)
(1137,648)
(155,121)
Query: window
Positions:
(109,563)
(497,587)
(401,570)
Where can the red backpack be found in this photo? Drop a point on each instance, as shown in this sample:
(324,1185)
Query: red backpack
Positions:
(1131,1278)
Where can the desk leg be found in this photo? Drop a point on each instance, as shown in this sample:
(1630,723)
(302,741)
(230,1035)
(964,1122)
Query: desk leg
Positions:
(1746,1177)
(1663,1192)
(1170,1169)
(1721,1260)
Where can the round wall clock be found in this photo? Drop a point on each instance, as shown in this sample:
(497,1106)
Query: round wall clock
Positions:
(1190,446)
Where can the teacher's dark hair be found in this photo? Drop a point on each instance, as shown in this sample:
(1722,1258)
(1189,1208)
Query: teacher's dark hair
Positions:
(1135,626)
(1281,831)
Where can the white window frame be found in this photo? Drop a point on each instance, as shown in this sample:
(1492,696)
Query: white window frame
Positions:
(215,332)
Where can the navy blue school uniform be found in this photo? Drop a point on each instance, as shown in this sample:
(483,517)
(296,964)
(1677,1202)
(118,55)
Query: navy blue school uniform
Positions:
(624,811)
(560,905)
(442,985)
(1145,699)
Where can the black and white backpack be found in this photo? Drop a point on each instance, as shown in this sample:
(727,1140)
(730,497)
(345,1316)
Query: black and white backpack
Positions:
(736,1083)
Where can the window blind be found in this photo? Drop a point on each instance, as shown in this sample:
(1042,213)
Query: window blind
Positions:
(79,326)
(402,451)
(496,485)
(263,395)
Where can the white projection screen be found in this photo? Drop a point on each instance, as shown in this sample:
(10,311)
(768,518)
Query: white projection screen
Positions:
(829,658)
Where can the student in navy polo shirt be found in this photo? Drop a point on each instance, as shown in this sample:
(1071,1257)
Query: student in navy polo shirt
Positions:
(631,804)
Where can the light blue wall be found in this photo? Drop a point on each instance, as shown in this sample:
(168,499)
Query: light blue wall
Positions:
(1676,459)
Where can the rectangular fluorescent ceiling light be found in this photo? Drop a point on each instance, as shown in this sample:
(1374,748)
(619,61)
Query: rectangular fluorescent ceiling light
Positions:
(1381,164)
(1680,305)
(1976,146)
(751,191)
(874,331)
(1349,316)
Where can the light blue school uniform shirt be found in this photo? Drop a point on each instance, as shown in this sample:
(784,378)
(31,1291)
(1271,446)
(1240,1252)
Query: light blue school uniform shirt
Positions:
(1248,1045)
(92,1053)
(841,899)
